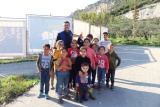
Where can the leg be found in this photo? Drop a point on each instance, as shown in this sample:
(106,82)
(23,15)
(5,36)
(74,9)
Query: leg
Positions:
(65,82)
(93,76)
(52,80)
(80,94)
(74,75)
(84,94)
(103,77)
(91,94)
(108,76)
(47,84)
(70,79)
(60,82)
(99,77)
(42,81)
(112,78)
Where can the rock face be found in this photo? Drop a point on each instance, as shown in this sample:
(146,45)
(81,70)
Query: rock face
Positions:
(146,12)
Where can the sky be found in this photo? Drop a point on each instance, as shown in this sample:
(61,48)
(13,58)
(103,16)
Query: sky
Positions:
(19,8)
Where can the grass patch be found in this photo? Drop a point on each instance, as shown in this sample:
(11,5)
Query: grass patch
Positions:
(134,41)
(16,60)
(14,86)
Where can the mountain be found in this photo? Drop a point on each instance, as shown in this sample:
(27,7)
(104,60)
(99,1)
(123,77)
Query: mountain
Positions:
(122,7)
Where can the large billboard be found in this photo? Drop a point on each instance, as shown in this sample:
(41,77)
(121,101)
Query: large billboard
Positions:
(43,29)
(12,38)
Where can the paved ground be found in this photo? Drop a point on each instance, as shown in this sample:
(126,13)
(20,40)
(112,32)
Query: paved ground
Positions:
(137,82)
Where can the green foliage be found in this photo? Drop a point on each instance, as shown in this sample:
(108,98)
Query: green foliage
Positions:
(13,86)
(6,61)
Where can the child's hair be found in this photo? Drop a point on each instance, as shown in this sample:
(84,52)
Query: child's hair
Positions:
(84,64)
(93,44)
(110,45)
(90,36)
(59,42)
(87,40)
(74,40)
(105,33)
(101,47)
(83,48)
(46,45)
(64,48)
(95,39)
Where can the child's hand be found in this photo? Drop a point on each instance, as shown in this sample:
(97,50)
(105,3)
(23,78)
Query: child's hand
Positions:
(51,72)
(91,85)
(39,71)
(94,68)
(106,71)
(77,85)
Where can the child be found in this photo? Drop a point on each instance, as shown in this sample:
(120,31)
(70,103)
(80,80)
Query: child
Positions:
(112,56)
(79,60)
(90,37)
(105,42)
(73,52)
(56,54)
(95,41)
(44,66)
(92,56)
(83,82)
(80,40)
(103,66)
(63,64)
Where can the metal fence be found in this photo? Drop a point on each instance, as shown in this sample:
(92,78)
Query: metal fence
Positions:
(21,37)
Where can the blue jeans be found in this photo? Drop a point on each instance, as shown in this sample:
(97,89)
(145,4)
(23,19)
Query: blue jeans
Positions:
(55,72)
(44,80)
(101,77)
(62,83)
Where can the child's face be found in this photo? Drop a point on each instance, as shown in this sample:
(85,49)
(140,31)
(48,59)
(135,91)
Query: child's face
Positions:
(94,47)
(96,41)
(60,45)
(46,50)
(83,52)
(74,44)
(101,51)
(111,48)
(105,37)
(85,68)
(64,53)
(86,43)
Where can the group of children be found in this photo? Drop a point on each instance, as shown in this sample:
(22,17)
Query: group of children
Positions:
(76,67)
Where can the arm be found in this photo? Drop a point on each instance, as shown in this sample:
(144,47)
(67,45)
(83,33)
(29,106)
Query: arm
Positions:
(119,60)
(57,64)
(77,80)
(106,64)
(70,65)
(38,64)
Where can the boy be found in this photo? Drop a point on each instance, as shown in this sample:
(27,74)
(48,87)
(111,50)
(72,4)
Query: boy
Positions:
(103,66)
(44,66)
(63,64)
(95,41)
(56,54)
(73,52)
(105,42)
(83,82)
(79,60)
(112,56)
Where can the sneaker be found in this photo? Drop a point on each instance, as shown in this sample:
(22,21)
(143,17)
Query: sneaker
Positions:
(40,95)
(80,100)
(67,97)
(102,89)
(52,88)
(60,101)
(46,96)
(84,98)
(112,88)
(107,85)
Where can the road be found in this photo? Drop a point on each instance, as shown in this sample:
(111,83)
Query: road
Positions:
(137,82)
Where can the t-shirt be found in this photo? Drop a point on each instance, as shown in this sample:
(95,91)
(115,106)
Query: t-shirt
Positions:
(105,44)
(66,61)
(57,54)
(83,81)
(46,60)
(103,61)
(73,53)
